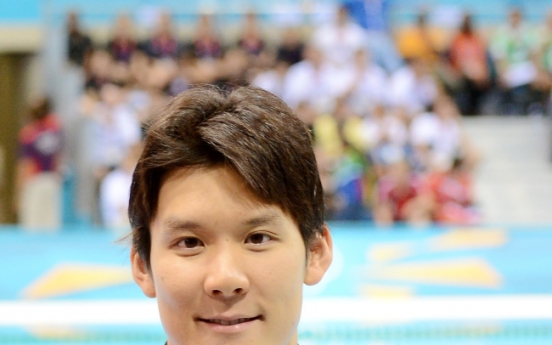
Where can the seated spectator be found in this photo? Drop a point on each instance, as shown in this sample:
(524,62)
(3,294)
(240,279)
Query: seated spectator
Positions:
(452,192)
(272,79)
(38,186)
(367,82)
(314,81)
(99,71)
(401,196)
(122,44)
(115,191)
(206,43)
(468,58)
(438,133)
(79,44)
(413,87)
(514,48)
(543,82)
(163,43)
(251,39)
(340,40)
(116,129)
(291,47)
(385,135)
(421,41)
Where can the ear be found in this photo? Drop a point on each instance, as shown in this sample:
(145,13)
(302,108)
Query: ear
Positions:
(141,274)
(320,257)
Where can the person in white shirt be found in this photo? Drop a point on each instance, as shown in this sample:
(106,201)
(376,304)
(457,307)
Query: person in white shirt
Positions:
(340,40)
(314,81)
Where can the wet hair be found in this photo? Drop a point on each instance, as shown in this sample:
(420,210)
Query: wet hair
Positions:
(248,130)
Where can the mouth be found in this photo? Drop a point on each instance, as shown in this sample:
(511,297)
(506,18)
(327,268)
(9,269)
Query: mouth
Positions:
(230,321)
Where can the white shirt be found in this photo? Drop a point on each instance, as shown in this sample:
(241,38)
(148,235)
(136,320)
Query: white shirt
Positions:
(339,44)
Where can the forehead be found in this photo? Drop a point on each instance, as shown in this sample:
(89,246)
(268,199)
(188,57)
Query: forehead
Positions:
(210,195)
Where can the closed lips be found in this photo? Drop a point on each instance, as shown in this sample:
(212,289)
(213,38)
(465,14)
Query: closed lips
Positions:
(230,322)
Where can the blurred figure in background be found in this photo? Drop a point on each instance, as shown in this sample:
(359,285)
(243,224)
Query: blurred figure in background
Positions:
(453,195)
(79,44)
(123,42)
(115,191)
(514,49)
(367,82)
(402,196)
(544,64)
(38,177)
(251,39)
(339,40)
(469,60)
(206,42)
(421,41)
(163,43)
(413,86)
(291,47)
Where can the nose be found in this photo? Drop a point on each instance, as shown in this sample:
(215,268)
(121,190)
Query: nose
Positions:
(226,278)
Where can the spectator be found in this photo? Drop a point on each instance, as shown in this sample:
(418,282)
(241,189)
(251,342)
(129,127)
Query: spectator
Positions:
(401,196)
(206,43)
(163,43)
(439,135)
(116,129)
(452,192)
(367,82)
(79,45)
(272,80)
(469,59)
(386,137)
(38,168)
(122,44)
(99,71)
(115,191)
(314,81)
(340,40)
(291,47)
(251,39)
(543,83)
(421,41)
(413,87)
(514,48)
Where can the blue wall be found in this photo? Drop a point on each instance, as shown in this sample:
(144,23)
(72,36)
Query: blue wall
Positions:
(102,11)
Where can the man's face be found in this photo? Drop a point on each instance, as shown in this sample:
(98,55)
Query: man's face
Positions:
(226,268)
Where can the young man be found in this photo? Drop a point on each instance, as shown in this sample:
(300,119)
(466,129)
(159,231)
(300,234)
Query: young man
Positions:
(227,213)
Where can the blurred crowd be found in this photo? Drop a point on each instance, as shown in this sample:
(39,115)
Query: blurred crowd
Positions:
(388,138)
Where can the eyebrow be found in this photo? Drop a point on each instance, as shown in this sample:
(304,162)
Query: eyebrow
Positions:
(175,224)
(268,218)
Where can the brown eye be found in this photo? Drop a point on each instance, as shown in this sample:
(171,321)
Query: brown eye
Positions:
(190,242)
(258,238)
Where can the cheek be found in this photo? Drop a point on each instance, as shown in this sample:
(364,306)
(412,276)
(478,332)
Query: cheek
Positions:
(282,273)
(175,282)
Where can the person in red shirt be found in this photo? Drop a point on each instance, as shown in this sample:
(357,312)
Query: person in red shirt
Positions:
(469,59)
(401,196)
(453,195)
(38,179)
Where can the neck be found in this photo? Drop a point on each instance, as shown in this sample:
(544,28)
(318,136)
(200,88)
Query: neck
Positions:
(294,340)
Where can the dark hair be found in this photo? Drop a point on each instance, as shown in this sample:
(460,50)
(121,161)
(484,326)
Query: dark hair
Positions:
(249,130)
(40,108)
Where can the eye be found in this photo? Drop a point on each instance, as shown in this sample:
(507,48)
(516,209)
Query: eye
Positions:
(190,243)
(258,238)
